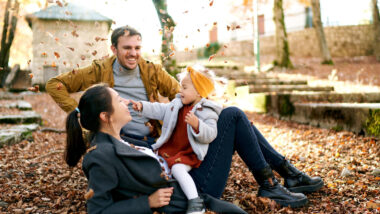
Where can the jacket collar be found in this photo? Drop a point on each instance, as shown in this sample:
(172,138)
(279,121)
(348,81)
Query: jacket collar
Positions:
(120,148)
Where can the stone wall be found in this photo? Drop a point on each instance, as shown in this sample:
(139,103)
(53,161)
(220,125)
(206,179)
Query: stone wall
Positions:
(57,49)
(343,41)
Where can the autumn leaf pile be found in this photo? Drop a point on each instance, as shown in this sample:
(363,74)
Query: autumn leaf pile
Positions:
(35,179)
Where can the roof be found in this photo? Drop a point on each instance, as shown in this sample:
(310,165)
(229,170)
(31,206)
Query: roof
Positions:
(69,12)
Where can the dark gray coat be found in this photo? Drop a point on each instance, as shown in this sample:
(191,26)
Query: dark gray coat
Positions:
(122,178)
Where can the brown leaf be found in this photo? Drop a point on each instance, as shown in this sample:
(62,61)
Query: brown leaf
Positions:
(89,194)
(59,3)
(211,57)
(211,3)
(94,52)
(72,49)
(56,54)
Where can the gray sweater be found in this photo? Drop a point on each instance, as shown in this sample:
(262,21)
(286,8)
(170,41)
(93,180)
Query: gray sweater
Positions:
(206,111)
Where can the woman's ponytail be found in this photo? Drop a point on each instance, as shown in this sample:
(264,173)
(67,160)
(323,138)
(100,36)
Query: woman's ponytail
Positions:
(75,144)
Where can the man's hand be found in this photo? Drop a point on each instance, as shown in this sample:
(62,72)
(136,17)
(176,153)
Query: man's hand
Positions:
(160,198)
(137,106)
(192,120)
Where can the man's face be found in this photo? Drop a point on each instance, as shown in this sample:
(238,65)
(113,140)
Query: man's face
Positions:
(128,50)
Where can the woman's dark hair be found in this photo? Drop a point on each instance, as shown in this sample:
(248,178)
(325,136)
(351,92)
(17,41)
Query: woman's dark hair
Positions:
(95,100)
(121,31)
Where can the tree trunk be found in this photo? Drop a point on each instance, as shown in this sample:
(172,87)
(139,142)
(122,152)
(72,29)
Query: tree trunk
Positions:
(376,29)
(9,27)
(167,47)
(282,46)
(317,24)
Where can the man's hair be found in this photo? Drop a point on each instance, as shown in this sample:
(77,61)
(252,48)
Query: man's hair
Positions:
(121,31)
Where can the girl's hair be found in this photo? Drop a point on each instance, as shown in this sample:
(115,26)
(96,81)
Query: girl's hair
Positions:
(95,100)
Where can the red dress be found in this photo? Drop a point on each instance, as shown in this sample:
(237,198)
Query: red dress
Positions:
(178,149)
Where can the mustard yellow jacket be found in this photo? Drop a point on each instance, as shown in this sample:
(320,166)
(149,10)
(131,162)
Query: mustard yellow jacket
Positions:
(154,78)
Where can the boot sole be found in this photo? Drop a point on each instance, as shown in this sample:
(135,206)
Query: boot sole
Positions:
(309,188)
(292,204)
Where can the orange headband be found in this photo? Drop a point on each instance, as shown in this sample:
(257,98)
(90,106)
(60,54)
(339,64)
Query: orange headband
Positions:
(202,84)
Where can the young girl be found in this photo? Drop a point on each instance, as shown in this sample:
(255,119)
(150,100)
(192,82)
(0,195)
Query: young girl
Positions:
(189,125)
(118,179)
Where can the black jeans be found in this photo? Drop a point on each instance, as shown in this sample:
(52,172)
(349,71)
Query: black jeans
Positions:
(235,133)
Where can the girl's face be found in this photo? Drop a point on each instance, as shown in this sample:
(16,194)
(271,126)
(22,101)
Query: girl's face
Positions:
(188,93)
(120,115)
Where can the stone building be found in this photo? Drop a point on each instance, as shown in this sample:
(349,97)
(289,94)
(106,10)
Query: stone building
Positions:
(66,37)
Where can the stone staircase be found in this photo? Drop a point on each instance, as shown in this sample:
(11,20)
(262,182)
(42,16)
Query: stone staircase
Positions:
(17,119)
(298,100)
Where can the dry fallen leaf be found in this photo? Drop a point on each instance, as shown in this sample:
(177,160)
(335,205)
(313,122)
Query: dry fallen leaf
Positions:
(211,57)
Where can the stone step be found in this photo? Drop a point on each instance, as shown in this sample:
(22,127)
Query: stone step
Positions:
(282,104)
(287,88)
(360,118)
(10,96)
(268,81)
(22,105)
(24,117)
(15,134)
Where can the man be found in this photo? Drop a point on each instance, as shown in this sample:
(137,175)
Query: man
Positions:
(128,73)
(137,79)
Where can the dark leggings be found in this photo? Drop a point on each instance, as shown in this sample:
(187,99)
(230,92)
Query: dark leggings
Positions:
(235,133)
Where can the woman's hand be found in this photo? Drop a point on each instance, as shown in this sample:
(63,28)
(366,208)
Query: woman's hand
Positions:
(192,120)
(137,106)
(160,198)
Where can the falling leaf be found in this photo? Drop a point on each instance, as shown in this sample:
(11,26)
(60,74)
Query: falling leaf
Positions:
(237,27)
(225,61)
(89,44)
(56,54)
(222,53)
(198,30)
(44,54)
(99,39)
(35,88)
(208,45)
(171,54)
(215,23)
(94,52)
(82,57)
(59,86)
(68,13)
(31,75)
(74,33)
(72,49)
(172,47)
(228,27)
(211,3)
(211,57)
(64,63)
(225,46)
(89,194)
(59,3)
(186,11)
(56,39)
(29,61)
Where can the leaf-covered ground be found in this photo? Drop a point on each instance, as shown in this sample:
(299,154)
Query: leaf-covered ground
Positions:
(34,178)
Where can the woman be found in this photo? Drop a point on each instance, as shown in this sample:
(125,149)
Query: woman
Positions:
(118,179)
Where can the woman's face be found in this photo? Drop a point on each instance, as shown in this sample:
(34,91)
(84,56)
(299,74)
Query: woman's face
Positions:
(120,115)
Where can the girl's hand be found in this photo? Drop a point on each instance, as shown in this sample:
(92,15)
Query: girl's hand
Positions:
(192,120)
(160,198)
(137,106)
